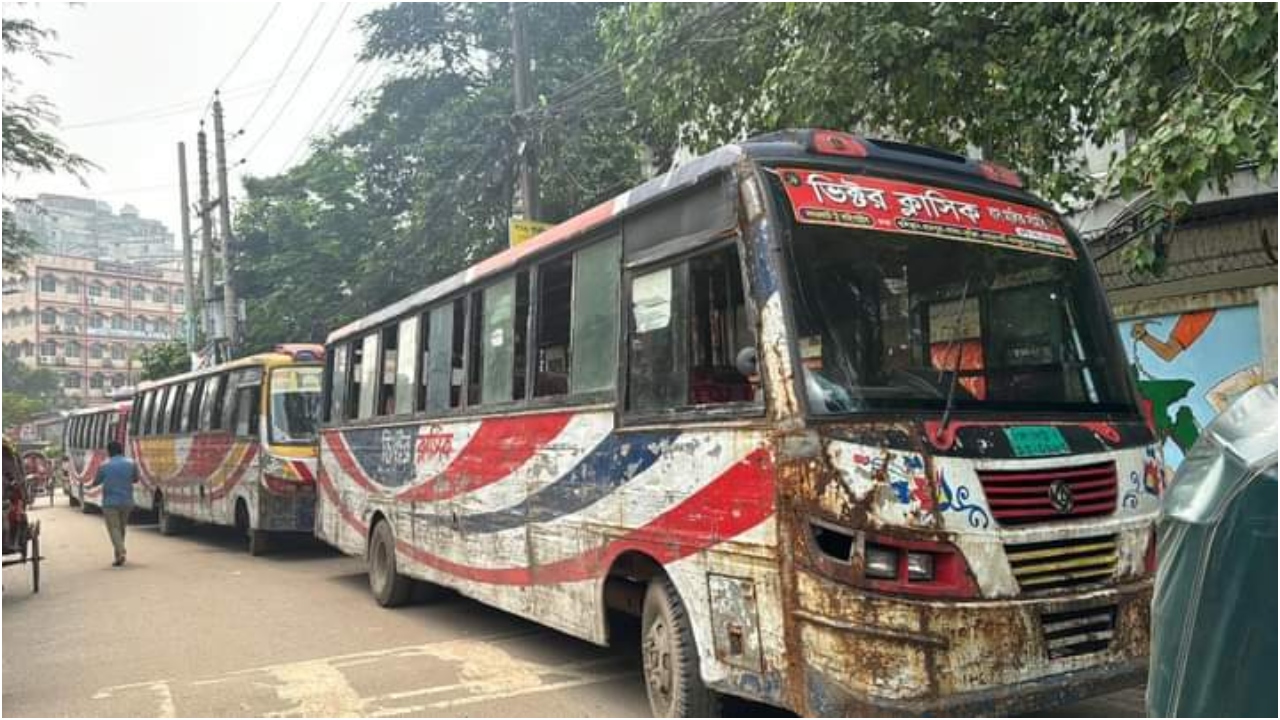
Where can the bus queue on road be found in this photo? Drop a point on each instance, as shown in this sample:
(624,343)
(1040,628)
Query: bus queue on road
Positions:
(812,408)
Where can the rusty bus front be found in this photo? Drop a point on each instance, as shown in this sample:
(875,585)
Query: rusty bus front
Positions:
(965,489)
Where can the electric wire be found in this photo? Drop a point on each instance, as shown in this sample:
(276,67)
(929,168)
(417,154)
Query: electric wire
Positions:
(280,75)
(252,41)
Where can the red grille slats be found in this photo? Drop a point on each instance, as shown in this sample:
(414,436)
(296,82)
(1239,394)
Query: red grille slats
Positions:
(1020,497)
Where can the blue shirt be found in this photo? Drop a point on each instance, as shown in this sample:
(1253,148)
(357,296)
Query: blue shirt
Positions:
(116,476)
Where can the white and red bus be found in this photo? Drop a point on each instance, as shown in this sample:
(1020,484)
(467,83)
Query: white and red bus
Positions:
(232,445)
(844,422)
(84,440)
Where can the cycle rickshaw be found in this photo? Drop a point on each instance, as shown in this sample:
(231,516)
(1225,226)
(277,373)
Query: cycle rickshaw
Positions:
(21,538)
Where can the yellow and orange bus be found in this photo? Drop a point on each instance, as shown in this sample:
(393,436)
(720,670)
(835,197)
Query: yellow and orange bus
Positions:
(232,445)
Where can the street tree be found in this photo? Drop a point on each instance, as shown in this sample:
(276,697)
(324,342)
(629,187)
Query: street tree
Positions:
(29,145)
(1191,85)
(164,359)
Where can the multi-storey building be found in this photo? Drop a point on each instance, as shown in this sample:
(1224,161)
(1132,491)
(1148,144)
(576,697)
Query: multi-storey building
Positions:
(67,225)
(88,319)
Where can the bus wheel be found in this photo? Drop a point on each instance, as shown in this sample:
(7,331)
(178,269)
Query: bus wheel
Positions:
(670,657)
(390,588)
(74,501)
(168,523)
(259,540)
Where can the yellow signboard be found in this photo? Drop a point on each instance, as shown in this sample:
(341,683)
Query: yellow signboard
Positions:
(521,230)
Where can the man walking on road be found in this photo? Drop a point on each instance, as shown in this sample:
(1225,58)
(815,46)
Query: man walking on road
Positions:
(117,476)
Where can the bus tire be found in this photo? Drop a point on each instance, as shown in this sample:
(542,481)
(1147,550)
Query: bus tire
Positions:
(259,540)
(74,502)
(669,656)
(167,523)
(390,588)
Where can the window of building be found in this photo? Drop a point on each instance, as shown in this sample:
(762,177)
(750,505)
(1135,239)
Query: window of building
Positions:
(95,289)
(139,324)
(119,322)
(73,320)
(159,295)
(71,380)
(48,316)
(117,352)
(95,351)
(48,348)
(73,350)
(96,381)
(48,284)
(179,297)
(139,293)
(119,380)
(117,291)
(73,286)
(97,320)
(27,348)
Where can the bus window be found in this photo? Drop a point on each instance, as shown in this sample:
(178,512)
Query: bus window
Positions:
(551,362)
(294,410)
(247,386)
(111,428)
(594,355)
(173,413)
(191,411)
(386,395)
(520,333)
(440,351)
(424,356)
(475,347)
(655,378)
(368,384)
(158,413)
(496,342)
(406,366)
(688,324)
(211,407)
(355,371)
(338,383)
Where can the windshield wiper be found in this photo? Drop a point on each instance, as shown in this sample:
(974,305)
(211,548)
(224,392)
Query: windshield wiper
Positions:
(955,365)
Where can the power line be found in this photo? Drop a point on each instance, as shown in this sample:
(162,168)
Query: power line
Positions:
(297,46)
(301,81)
(236,64)
(324,110)
(163,111)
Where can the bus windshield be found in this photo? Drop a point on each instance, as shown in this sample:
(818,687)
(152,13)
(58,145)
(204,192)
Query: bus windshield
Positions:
(295,404)
(889,319)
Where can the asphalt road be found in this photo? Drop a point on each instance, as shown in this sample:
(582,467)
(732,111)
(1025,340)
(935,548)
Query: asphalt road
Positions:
(193,626)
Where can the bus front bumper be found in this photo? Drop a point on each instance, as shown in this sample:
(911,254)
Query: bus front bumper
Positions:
(877,655)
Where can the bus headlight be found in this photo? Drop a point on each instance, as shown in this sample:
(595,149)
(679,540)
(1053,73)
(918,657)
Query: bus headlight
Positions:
(881,562)
(920,566)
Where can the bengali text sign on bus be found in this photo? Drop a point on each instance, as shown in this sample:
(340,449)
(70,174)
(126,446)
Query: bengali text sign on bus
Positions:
(858,201)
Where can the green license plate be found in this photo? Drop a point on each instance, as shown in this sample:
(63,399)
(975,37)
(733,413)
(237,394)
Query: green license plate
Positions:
(1036,440)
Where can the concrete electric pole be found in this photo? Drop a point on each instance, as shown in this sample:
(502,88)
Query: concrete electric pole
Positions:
(206,241)
(188,278)
(524,98)
(229,305)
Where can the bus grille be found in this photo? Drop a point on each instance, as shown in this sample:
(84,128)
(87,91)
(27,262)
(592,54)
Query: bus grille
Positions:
(1058,564)
(1078,632)
(1023,497)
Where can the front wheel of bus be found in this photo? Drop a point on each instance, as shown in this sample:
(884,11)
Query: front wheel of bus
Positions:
(672,678)
(390,588)
(167,523)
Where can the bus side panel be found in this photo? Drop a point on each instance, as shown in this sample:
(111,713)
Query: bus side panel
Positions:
(198,475)
(85,463)
(528,513)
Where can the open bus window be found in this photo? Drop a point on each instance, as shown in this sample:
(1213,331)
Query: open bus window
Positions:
(551,364)
(688,325)
(247,385)
(475,347)
(294,412)
(387,374)
(368,372)
(211,411)
(338,383)
(177,401)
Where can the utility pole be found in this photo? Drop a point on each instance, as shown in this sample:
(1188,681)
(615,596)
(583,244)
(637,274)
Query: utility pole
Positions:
(188,278)
(224,224)
(206,236)
(524,98)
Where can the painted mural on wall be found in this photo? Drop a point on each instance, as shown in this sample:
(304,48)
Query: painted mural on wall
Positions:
(1190,366)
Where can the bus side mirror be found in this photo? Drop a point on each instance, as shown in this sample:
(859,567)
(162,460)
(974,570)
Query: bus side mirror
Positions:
(747,363)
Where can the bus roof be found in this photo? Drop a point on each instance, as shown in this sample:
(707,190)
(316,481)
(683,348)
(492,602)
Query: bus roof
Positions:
(800,144)
(105,407)
(268,360)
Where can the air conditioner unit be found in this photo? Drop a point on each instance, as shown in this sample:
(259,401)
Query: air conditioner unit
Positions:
(60,361)
(107,363)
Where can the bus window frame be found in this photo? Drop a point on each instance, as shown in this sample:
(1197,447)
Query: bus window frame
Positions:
(677,253)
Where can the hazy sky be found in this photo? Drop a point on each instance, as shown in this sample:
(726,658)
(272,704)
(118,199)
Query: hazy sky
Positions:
(137,76)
